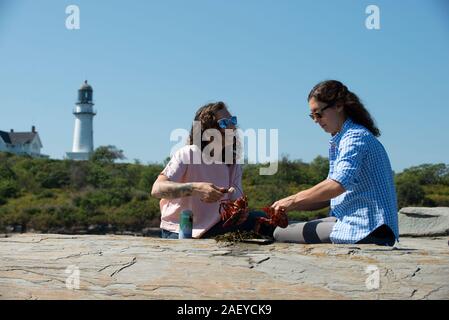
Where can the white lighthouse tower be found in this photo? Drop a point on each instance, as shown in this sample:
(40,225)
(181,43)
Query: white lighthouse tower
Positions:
(83,134)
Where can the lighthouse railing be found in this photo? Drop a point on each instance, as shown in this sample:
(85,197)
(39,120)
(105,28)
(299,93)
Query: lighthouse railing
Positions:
(78,111)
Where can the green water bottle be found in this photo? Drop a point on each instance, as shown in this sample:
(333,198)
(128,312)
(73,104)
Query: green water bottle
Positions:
(185,224)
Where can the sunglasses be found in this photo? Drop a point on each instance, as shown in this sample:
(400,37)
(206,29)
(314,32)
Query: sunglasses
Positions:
(226,122)
(319,114)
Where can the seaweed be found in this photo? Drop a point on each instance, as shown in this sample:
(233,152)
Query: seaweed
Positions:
(238,236)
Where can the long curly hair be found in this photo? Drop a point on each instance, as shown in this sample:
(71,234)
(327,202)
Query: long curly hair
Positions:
(206,115)
(335,92)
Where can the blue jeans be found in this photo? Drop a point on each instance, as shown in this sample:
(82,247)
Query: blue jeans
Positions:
(218,228)
(168,234)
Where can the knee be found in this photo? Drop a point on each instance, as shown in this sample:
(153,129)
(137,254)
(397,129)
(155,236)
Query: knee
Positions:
(276,234)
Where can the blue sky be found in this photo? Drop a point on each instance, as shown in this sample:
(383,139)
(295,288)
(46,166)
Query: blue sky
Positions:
(153,63)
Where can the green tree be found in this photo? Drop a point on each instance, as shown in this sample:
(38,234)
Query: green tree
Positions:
(148,176)
(319,168)
(409,192)
(428,173)
(107,154)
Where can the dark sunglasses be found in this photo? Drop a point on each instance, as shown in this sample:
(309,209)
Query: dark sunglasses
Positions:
(226,122)
(319,114)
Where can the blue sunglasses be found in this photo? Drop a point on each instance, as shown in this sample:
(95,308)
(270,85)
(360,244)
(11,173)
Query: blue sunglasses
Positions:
(226,122)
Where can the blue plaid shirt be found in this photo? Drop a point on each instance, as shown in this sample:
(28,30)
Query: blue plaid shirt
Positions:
(359,162)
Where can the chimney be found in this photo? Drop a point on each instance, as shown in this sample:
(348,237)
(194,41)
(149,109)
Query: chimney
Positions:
(33,129)
(12,130)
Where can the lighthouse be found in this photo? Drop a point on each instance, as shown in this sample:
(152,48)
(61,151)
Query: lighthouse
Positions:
(83,133)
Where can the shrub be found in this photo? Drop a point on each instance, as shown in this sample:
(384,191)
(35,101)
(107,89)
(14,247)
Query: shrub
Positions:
(99,176)
(438,200)
(103,197)
(53,177)
(136,215)
(308,215)
(140,195)
(45,194)
(6,173)
(410,193)
(148,177)
(78,173)
(8,189)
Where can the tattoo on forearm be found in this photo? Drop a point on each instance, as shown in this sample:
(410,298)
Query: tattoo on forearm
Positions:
(170,190)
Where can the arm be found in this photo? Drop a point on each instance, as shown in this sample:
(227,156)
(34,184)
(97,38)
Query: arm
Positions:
(164,188)
(316,206)
(313,198)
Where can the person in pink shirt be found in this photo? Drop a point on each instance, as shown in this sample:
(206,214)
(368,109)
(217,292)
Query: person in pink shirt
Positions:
(189,182)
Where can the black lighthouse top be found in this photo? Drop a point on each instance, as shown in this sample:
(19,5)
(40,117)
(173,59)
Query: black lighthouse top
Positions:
(85,93)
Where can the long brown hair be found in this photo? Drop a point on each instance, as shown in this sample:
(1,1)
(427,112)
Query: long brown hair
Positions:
(206,115)
(335,92)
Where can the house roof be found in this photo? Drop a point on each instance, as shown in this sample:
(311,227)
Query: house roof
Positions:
(17,137)
(5,136)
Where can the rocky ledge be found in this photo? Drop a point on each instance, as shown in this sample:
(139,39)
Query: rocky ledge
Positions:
(46,266)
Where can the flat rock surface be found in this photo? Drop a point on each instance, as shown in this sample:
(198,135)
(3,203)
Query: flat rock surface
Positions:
(45,266)
(424,222)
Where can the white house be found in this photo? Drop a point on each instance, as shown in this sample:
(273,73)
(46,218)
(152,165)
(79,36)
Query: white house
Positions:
(21,143)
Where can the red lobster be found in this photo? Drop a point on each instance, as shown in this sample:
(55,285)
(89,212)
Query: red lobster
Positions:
(236,212)
(273,219)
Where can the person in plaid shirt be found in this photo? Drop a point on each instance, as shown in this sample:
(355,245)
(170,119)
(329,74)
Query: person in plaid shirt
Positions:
(359,187)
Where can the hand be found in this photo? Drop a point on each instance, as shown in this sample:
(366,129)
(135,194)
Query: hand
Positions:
(208,192)
(287,204)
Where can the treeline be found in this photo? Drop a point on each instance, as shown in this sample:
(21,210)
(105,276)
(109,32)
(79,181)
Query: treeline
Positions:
(63,195)
(100,195)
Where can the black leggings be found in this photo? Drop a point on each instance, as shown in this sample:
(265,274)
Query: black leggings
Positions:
(319,230)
